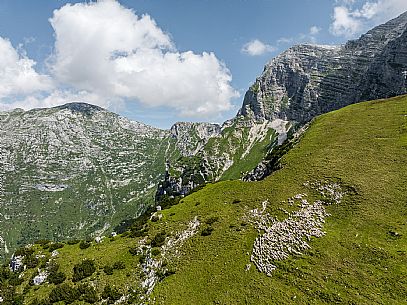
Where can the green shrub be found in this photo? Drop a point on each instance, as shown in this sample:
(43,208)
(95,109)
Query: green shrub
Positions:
(84,244)
(65,293)
(5,273)
(15,280)
(133,250)
(163,274)
(18,299)
(40,302)
(73,242)
(158,239)
(88,293)
(108,269)
(155,251)
(30,261)
(119,265)
(55,246)
(142,259)
(212,220)
(23,251)
(83,270)
(125,234)
(111,293)
(207,231)
(139,229)
(56,277)
(42,242)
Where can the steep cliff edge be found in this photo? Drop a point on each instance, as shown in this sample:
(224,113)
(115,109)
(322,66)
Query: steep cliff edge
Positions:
(307,80)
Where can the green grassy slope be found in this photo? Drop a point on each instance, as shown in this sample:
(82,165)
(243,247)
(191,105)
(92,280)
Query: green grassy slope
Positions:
(362,259)
(358,261)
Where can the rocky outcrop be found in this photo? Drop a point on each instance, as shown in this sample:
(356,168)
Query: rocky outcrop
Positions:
(191,137)
(271,161)
(308,80)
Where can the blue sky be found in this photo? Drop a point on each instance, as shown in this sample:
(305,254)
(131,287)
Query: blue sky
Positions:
(193,59)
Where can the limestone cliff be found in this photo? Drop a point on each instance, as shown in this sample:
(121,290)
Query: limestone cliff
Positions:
(307,80)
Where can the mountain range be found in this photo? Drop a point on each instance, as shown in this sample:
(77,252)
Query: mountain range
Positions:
(77,170)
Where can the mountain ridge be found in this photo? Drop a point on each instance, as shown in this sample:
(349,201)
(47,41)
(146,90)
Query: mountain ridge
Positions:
(104,168)
(331,232)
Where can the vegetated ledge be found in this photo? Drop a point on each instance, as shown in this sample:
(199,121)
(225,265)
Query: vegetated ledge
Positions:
(271,162)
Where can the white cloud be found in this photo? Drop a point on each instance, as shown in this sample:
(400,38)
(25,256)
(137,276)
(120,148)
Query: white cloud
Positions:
(344,24)
(103,48)
(54,98)
(256,48)
(285,40)
(314,30)
(310,37)
(17,73)
(349,20)
(345,2)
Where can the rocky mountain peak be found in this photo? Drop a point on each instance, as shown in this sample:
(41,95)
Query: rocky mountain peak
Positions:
(307,80)
(85,108)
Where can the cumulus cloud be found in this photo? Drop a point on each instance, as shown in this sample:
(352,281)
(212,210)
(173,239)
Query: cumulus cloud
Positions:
(257,48)
(309,37)
(285,40)
(344,23)
(106,55)
(314,30)
(105,48)
(348,20)
(17,73)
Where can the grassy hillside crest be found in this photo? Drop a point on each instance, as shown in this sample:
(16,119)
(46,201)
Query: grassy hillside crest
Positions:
(202,246)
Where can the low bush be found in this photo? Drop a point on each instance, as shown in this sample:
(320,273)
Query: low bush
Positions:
(37,301)
(88,293)
(119,265)
(84,244)
(23,251)
(211,220)
(133,250)
(15,280)
(155,251)
(108,269)
(65,293)
(139,229)
(83,270)
(159,239)
(56,277)
(42,242)
(54,246)
(73,242)
(30,261)
(111,293)
(207,231)
(142,259)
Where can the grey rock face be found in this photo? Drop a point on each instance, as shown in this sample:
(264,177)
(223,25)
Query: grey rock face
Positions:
(73,170)
(308,80)
(78,169)
(191,137)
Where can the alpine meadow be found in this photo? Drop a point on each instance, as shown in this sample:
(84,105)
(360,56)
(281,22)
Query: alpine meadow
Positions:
(298,198)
